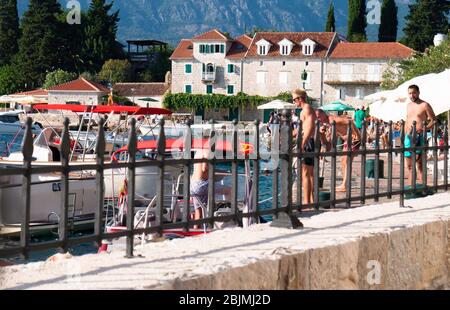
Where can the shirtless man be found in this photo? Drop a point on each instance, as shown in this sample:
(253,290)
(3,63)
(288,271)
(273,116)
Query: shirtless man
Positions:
(341,131)
(199,185)
(418,111)
(308,119)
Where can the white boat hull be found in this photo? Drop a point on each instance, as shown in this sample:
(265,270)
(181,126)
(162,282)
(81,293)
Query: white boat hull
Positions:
(46,199)
(147,180)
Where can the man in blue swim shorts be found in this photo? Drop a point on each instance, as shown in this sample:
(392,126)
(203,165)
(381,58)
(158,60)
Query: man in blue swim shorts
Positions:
(418,111)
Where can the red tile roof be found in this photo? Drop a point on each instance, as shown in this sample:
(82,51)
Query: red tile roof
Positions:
(80,85)
(213,35)
(141,89)
(371,50)
(323,40)
(37,92)
(239,47)
(184,50)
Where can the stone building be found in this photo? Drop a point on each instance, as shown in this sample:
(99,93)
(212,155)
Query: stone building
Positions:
(80,91)
(270,63)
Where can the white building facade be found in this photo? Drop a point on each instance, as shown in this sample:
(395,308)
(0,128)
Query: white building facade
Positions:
(271,63)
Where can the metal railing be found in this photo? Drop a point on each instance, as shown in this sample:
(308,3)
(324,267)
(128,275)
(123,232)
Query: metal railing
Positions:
(287,150)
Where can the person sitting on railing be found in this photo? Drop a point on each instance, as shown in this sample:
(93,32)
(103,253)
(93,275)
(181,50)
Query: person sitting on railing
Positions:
(200,183)
(418,111)
(341,132)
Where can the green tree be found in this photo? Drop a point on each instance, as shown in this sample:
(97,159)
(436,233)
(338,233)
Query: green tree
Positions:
(58,77)
(158,67)
(116,71)
(99,35)
(331,20)
(389,22)
(426,18)
(42,45)
(9,30)
(357,22)
(89,76)
(9,82)
(74,38)
(435,60)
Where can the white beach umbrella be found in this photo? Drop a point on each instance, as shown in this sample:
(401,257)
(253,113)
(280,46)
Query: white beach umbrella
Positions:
(392,105)
(6,99)
(29,99)
(277,105)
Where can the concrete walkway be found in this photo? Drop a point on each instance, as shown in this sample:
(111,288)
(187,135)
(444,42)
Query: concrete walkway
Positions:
(336,250)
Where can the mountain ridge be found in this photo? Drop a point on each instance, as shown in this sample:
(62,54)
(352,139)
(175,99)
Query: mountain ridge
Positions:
(173,20)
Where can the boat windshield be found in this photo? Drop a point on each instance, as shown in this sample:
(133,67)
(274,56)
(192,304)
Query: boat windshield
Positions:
(9,118)
(46,135)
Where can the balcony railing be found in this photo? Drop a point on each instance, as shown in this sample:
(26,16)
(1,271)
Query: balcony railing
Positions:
(139,57)
(208,76)
(360,78)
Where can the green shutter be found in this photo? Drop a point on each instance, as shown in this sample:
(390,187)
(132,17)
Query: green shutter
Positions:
(207,49)
(222,49)
(188,89)
(230,68)
(209,89)
(201,48)
(188,68)
(230,89)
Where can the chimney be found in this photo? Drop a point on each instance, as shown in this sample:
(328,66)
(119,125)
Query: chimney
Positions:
(168,78)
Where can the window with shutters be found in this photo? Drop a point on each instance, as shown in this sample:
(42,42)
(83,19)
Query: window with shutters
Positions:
(230,90)
(261,78)
(188,68)
(188,89)
(346,73)
(231,68)
(284,78)
(262,50)
(340,93)
(360,93)
(374,73)
(209,89)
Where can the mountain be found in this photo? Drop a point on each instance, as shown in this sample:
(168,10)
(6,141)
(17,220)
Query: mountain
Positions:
(172,20)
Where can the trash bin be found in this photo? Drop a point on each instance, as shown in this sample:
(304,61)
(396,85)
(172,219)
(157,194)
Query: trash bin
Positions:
(324,196)
(370,169)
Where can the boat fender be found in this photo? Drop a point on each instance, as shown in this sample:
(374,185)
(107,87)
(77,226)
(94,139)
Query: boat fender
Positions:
(103,248)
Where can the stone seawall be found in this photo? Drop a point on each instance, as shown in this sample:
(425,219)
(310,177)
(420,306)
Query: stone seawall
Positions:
(373,247)
(408,259)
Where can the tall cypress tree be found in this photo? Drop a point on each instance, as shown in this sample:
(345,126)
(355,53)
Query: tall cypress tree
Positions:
(426,18)
(41,47)
(331,21)
(389,22)
(9,30)
(100,34)
(357,22)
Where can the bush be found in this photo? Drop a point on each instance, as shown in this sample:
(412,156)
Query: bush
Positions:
(58,77)
(177,102)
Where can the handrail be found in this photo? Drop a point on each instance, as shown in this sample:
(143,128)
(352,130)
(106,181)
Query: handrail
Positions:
(282,156)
